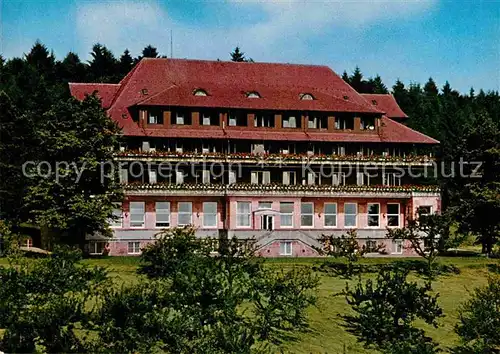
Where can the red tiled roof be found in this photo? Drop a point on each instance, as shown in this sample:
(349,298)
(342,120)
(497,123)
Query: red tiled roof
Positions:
(386,103)
(395,132)
(105,91)
(172,82)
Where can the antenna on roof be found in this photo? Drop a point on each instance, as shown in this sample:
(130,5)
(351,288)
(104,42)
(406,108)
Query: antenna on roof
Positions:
(171,45)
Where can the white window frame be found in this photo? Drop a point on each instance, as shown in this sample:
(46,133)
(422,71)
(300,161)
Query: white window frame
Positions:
(340,179)
(289,214)
(395,246)
(288,248)
(311,214)
(205,213)
(206,118)
(398,215)
(368,216)
(117,224)
(260,177)
(249,214)
(152,176)
(134,250)
(162,213)
(152,118)
(355,216)
(93,247)
(143,224)
(390,179)
(325,214)
(262,207)
(292,178)
(180,118)
(190,213)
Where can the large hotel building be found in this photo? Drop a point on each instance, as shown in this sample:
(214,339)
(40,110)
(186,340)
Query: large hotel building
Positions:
(274,154)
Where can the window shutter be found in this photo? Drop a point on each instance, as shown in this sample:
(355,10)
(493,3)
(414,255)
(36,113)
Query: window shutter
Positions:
(286,178)
(254,178)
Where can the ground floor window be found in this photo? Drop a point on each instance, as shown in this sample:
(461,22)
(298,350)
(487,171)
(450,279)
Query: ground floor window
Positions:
(393,215)
(243,211)
(134,248)
(96,247)
(371,246)
(330,213)
(350,214)
(210,214)
(397,246)
(286,214)
(373,214)
(185,213)
(285,248)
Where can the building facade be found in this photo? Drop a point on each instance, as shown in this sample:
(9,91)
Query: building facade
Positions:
(274,154)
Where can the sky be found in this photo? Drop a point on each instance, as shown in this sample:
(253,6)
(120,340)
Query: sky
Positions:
(458,41)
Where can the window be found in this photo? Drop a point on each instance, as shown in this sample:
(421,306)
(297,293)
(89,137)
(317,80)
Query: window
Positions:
(265,205)
(96,247)
(397,246)
(260,177)
(185,213)
(362,179)
(179,118)
(199,92)
(154,117)
(330,214)
(306,96)
(137,214)
(344,122)
(29,242)
(243,211)
(423,212)
(210,214)
(350,214)
(286,214)
(289,177)
(152,176)
(179,177)
(209,118)
(317,121)
(306,215)
(368,123)
(205,176)
(371,246)
(290,120)
(393,215)
(264,119)
(253,94)
(390,179)
(134,248)
(373,214)
(285,248)
(339,150)
(117,219)
(205,119)
(162,214)
(338,179)
(238,118)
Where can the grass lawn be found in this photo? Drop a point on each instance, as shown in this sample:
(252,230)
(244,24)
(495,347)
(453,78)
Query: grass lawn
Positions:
(326,334)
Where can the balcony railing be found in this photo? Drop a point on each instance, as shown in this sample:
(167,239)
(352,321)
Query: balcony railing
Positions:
(239,187)
(273,158)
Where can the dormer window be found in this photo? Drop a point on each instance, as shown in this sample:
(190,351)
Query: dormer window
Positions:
(253,94)
(346,97)
(306,96)
(199,92)
(374,102)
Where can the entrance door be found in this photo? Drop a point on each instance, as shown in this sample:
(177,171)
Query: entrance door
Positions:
(267,222)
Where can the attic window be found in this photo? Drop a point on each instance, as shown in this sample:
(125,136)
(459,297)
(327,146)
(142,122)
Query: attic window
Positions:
(306,96)
(346,97)
(374,102)
(253,94)
(199,92)
(144,91)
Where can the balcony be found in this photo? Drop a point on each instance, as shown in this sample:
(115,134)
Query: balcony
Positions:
(236,189)
(409,160)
